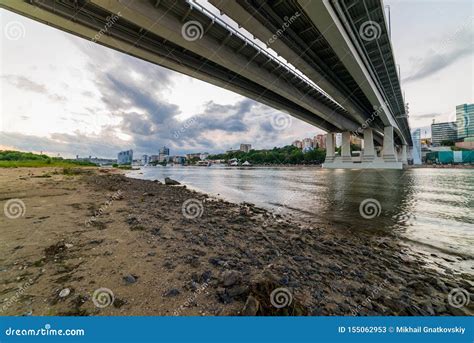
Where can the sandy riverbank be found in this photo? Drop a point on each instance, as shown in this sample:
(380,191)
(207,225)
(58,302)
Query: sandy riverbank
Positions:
(145,248)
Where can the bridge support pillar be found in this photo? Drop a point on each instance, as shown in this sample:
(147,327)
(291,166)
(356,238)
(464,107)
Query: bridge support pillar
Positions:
(388,150)
(368,154)
(346,147)
(369,159)
(404,154)
(329,148)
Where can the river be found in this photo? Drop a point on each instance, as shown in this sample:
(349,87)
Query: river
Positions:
(432,208)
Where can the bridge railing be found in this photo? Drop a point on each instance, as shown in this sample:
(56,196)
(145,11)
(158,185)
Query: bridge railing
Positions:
(263,51)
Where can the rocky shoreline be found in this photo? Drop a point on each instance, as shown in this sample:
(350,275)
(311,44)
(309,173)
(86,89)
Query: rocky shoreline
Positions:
(99,243)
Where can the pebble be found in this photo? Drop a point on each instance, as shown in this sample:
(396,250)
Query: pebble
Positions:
(129,279)
(64,293)
(172,292)
(251,306)
(171,182)
(231,277)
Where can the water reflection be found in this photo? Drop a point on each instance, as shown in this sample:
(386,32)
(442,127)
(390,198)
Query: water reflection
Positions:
(429,206)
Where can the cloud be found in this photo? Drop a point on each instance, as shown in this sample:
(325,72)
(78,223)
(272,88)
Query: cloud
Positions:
(23,83)
(453,48)
(129,100)
(426,115)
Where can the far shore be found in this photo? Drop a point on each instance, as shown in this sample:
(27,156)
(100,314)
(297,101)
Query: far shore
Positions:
(93,242)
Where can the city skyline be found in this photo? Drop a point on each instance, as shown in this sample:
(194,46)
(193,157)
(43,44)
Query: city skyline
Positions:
(82,100)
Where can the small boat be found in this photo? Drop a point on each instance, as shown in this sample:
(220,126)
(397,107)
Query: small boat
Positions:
(246,164)
(233,162)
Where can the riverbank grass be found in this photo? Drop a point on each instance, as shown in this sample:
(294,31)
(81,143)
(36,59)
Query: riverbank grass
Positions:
(18,159)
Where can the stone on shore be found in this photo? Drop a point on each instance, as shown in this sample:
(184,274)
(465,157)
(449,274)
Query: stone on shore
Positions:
(231,277)
(251,306)
(171,182)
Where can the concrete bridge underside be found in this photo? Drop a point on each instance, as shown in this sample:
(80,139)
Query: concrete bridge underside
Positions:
(151,30)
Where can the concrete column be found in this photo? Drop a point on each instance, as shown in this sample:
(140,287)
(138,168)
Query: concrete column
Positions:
(404,154)
(330,144)
(388,151)
(346,147)
(368,153)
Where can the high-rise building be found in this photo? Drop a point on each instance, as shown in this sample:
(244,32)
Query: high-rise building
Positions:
(320,141)
(465,120)
(443,132)
(145,160)
(125,157)
(164,154)
(416,152)
(307,143)
(338,139)
(245,147)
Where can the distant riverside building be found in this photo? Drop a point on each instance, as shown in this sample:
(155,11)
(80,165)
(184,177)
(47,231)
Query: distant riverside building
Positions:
(153,158)
(443,132)
(307,143)
(338,139)
(203,156)
(245,147)
(193,156)
(179,159)
(320,141)
(416,152)
(297,144)
(145,160)
(164,154)
(465,120)
(125,157)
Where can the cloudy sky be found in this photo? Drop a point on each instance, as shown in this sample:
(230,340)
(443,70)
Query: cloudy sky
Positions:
(85,99)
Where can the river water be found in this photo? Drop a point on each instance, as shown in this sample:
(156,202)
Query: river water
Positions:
(430,207)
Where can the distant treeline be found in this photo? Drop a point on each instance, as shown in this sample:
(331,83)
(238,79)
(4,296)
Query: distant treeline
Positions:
(286,155)
(13,159)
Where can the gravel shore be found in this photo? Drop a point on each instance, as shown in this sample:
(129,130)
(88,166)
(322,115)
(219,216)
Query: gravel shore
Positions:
(90,242)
